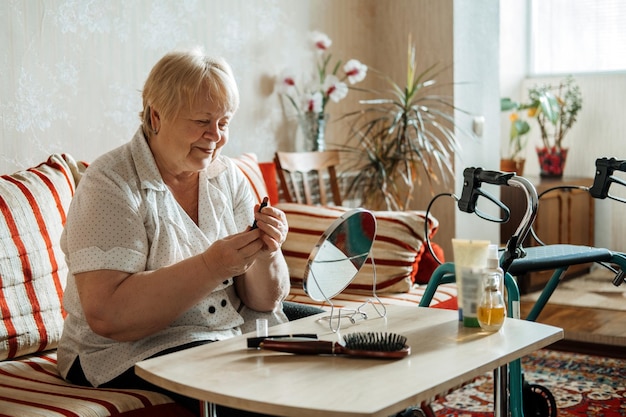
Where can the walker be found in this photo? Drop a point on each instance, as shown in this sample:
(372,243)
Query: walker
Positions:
(516,260)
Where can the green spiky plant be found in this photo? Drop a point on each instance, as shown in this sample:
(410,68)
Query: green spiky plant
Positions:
(403,135)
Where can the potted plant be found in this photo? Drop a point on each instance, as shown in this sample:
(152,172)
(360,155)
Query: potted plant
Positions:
(399,137)
(555,107)
(518,139)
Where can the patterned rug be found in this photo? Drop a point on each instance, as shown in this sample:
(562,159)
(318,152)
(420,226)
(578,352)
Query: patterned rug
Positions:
(583,385)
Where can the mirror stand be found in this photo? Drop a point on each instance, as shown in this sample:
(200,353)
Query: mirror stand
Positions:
(338,256)
(351,314)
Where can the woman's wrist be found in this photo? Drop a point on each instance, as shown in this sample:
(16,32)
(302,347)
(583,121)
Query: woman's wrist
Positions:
(211,270)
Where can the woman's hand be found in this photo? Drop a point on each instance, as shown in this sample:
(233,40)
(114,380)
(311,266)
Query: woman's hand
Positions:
(272,222)
(233,255)
(266,283)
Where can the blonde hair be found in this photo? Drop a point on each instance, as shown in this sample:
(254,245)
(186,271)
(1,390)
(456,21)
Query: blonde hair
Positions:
(176,80)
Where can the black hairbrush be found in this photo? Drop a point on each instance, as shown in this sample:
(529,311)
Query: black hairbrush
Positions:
(365,345)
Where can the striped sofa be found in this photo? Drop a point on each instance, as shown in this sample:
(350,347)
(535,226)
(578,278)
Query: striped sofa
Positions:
(403,265)
(33,273)
(33,204)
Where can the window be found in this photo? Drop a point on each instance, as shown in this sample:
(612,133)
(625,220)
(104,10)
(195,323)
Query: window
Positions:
(576,36)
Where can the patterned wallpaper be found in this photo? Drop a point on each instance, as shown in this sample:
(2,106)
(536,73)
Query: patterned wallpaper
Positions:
(71,73)
(72,70)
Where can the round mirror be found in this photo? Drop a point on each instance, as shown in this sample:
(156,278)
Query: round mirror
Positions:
(339,254)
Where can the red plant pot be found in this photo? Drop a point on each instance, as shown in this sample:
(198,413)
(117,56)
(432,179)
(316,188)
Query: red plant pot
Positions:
(551,161)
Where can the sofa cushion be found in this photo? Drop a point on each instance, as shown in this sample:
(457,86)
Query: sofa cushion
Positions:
(31,386)
(445,297)
(268,169)
(33,204)
(427,263)
(397,248)
(249,165)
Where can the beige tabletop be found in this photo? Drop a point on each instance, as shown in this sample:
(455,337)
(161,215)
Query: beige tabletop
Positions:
(444,354)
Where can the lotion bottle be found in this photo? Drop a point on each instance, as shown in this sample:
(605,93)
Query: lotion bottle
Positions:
(470,259)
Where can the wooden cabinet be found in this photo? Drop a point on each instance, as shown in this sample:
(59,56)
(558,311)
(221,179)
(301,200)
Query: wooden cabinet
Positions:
(563,216)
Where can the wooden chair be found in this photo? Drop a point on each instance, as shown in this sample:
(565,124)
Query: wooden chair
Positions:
(304,175)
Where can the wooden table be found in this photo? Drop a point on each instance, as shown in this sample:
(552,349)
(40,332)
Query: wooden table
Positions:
(444,354)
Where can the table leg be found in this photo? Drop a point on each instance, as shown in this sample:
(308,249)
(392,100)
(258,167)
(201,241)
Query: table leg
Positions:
(500,391)
(208,409)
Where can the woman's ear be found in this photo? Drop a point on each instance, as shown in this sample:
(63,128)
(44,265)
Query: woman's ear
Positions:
(155,120)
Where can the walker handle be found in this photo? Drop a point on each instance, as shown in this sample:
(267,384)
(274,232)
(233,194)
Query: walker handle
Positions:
(514,249)
(604,178)
(472,179)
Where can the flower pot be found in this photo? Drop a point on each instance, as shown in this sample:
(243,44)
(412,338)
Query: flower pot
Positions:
(551,162)
(313,127)
(512,165)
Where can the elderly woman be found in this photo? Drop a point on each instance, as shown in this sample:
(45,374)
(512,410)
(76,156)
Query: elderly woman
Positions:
(158,239)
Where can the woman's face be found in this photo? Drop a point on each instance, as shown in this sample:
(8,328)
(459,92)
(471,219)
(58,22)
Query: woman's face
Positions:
(193,139)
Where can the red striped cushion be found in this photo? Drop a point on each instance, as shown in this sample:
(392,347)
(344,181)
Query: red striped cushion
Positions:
(445,297)
(31,386)
(249,165)
(396,251)
(33,204)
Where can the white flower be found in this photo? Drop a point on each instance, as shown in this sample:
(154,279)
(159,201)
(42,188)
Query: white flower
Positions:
(355,70)
(321,41)
(334,89)
(326,86)
(313,102)
(286,83)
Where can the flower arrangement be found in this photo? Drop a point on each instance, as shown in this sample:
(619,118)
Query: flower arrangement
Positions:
(326,85)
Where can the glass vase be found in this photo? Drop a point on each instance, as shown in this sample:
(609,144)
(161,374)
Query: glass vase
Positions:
(551,162)
(313,127)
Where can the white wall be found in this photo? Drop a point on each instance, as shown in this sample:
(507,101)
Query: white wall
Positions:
(476,27)
(513,56)
(72,70)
